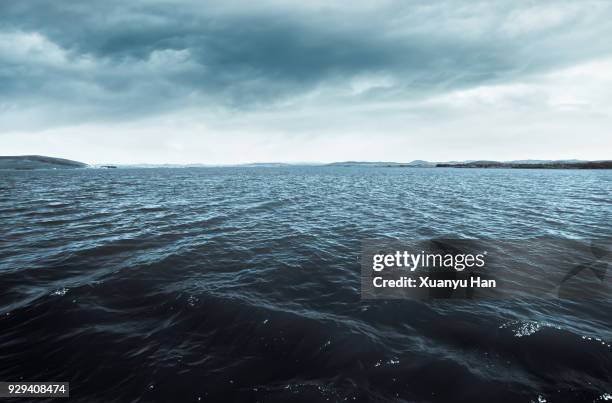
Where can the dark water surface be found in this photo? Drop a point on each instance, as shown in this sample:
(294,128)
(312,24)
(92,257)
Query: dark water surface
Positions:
(242,284)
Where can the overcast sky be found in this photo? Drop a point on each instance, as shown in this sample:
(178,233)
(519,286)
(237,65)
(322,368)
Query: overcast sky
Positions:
(231,82)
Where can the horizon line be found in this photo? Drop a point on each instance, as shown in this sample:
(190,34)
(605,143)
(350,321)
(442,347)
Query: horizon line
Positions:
(348,161)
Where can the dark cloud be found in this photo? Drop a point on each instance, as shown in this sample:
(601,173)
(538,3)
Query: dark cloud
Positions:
(116,59)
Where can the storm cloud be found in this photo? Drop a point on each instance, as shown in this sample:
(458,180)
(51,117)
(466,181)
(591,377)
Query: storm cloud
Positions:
(114,62)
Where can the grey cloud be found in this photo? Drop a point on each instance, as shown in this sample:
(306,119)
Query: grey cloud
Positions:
(131,59)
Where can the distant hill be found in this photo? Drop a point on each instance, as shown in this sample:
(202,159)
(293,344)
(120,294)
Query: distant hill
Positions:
(540,161)
(525,164)
(531,164)
(38,162)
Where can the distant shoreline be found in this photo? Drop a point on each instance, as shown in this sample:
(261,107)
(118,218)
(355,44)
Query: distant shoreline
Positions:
(547,165)
(537,164)
(32,162)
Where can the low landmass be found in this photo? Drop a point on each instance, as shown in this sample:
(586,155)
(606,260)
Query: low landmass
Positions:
(570,164)
(519,164)
(24,162)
